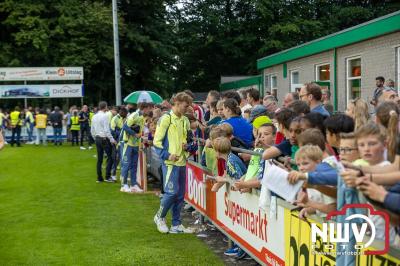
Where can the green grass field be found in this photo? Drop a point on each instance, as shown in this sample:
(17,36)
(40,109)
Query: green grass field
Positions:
(52,212)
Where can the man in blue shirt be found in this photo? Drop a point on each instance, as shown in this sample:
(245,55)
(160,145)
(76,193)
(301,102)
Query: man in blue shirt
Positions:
(311,94)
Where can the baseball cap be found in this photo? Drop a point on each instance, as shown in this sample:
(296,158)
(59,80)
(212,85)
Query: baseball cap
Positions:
(261,120)
(257,111)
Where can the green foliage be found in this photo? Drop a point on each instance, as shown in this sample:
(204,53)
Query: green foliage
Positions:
(171,45)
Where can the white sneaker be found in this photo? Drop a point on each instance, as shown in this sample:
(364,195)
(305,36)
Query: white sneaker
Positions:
(136,189)
(82,148)
(125,188)
(113,177)
(180,229)
(161,224)
(90,147)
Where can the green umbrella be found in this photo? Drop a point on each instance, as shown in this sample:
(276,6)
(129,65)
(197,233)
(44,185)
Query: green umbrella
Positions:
(143,96)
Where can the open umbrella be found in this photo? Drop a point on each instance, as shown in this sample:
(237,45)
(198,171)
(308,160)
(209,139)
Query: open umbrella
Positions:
(143,96)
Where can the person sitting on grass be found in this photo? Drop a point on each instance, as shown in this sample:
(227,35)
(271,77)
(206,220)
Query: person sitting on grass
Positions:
(233,168)
(254,174)
(308,158)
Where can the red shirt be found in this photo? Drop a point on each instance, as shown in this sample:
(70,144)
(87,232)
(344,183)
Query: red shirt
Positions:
(279,137)
(221,166)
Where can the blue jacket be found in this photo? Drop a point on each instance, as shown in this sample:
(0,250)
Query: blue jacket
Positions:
(324,174)
(392,199)
(241,129)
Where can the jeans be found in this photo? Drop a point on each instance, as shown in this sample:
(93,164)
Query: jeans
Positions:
(86,129)
(57,134)
(129,164)
(29,130)
(115,159)
(16,131)
(174,192)
(103,145)
(75,137)
(41,135)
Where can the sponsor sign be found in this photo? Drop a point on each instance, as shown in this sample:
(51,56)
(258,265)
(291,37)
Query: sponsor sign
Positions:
(41,91)
(198,189)
(283,239)
(41,73)
(239,215)
(299,245)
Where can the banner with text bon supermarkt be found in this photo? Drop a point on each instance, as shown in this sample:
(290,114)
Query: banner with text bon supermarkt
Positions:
(238,216)
(280,239)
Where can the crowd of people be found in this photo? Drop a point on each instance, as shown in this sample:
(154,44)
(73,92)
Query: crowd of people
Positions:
(341,157)
(36,121)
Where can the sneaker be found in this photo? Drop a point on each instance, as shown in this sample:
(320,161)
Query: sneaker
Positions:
(113,177)
(136,189)
(161,224)
(82,148)
(125,188)
(90,147)
(232,251)
(179,229)
(109,180)
(241,254)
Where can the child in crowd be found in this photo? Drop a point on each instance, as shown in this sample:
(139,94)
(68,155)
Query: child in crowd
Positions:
(348,150)
(284,119)
(326,172)
(235,142)
(220,109)
(152,130)
(215,118)
(265,139)
(246,114)
(387,115)
(308,158)
(371,142)
(335,125)
(209,156)
(233,168)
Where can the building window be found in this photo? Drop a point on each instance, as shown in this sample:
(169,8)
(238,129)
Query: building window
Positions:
(267,83)
(398,70)
(270,83)
(323,72)
(353,80)
(294,81)
(274,82)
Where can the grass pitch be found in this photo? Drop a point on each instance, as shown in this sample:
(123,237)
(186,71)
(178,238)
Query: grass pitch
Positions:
(52,212)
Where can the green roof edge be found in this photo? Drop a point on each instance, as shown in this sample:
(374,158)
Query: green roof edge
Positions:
(370,29)
(237,84)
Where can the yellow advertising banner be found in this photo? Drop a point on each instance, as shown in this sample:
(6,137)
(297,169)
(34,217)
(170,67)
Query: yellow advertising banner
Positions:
(299,248)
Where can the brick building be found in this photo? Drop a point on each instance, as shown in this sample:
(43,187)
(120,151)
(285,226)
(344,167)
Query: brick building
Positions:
(345,62)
